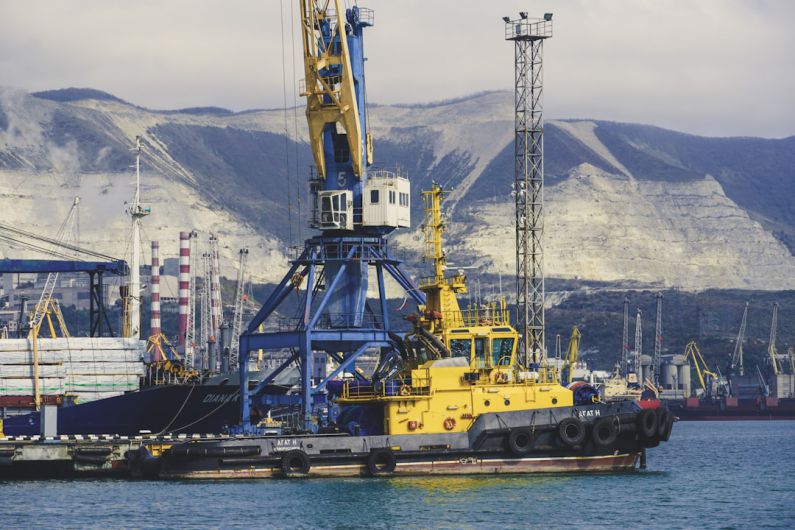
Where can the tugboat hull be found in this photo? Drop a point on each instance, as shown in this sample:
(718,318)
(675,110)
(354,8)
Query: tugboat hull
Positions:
(597,438)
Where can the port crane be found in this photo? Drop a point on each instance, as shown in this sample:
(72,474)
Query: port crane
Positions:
(775,363)
(693,353)
(354,206)
(572,356)
(737,356)
(237,316)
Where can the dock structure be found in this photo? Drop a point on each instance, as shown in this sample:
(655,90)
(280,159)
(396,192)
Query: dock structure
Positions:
(83,455)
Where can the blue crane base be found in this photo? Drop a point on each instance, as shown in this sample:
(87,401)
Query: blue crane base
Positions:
(336,319)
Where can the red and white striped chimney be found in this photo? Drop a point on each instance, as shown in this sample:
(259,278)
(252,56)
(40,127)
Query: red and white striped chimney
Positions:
(154,320)
(184,285)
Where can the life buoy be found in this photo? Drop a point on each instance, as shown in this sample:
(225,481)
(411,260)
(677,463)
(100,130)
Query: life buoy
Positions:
(381,462)
(571,431)
(405,390)
(295,464)
(449,424)
(520,441)
(604,431)
(501,377)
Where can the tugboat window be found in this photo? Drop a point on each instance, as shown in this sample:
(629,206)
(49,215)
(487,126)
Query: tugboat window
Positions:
(373,196)
(501,350)
(461,348)
(480,352)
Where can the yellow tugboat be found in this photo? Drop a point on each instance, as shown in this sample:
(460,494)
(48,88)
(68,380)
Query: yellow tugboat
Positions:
(452,396)
(455,400)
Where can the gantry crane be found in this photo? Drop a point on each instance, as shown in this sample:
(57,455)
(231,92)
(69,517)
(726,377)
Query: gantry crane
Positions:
(354,207)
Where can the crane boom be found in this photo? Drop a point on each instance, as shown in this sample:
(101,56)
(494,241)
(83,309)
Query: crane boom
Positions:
(335,79)
(52,278)
(572,354)
(692,352)
(771,345)
(737,356)
(237,317)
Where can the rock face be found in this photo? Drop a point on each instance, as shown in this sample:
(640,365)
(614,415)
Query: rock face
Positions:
(623,202)
(609,227)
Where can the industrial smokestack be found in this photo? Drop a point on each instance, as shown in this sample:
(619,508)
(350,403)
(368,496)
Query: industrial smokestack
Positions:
(154,320)
(184,287)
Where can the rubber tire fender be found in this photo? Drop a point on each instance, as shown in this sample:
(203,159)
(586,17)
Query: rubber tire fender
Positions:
(663,415)
(295,464)
(520,441)
(381,462)
(669,426)
(647,424)
(571,431)
(604,431)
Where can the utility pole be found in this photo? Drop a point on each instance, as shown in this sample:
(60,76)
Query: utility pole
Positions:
(528,36)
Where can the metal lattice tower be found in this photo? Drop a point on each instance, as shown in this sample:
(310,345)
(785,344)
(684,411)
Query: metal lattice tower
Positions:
(638,347)
(190,332)
(204,309)
(528,36)
(655,364)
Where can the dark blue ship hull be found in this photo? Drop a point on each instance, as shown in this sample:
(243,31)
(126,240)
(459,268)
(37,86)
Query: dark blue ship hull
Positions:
(163,409)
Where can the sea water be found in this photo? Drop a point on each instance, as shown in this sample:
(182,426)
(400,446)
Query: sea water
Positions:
(710,475)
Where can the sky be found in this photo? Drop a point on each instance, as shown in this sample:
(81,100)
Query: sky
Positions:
(710,67)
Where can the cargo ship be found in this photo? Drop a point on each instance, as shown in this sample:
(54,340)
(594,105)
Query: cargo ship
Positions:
(210,407)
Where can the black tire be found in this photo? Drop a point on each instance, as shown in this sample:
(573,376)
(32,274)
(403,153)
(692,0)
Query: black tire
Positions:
(662,421)
(381,462)
(669,426)
(571,432)
(520,441)
(647,424)
(295,464)
(604,431)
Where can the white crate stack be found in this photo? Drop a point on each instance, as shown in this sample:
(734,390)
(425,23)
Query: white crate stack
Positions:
(88,368)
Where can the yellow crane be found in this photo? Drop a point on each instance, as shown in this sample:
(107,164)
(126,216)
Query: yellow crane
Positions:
(692,352)
(572,355)
(771,345)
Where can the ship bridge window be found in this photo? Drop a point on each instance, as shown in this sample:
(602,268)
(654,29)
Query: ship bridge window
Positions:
(325,208)
(480,351)
(373,196)
(501,350)
(461,347)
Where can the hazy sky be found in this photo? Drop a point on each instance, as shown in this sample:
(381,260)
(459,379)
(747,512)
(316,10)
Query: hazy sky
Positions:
(714,67)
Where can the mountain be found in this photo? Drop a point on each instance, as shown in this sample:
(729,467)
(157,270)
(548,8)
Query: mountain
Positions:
(625,203)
